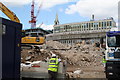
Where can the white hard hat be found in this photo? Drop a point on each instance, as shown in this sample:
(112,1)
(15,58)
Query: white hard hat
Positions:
(53,55)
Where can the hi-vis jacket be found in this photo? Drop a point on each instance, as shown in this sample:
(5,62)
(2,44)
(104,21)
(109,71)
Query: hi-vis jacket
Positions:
(53,64)
(103,60)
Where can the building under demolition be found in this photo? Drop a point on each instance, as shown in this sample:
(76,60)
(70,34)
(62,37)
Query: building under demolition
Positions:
(92,30)
(35,32)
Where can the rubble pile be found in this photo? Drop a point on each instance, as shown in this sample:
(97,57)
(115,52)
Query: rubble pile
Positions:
(31,55)
(56,45)
(75,74)
(84,55)
(80,57)
(75,55)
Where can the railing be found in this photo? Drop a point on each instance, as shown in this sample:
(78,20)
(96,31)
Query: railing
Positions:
(79,32)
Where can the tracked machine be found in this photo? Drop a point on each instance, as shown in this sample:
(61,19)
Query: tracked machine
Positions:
(32,38)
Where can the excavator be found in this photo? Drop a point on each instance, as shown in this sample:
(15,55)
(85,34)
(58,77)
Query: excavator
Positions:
(8,13)
(26,40)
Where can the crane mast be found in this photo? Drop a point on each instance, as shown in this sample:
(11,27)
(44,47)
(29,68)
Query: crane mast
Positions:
(33,17)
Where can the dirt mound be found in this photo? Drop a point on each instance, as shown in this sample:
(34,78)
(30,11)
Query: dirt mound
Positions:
(77,55)
(56,45)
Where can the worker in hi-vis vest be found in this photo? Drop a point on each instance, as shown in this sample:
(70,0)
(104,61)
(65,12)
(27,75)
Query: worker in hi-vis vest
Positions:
(104,62)
(53,67)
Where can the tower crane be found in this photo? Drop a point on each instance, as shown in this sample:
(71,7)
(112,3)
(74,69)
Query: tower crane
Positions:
(33,17)
(33,39)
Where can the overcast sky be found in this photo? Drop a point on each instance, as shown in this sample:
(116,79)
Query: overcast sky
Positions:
(68,11)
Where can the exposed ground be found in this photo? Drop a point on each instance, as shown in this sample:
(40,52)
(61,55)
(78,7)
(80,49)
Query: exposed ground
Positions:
(83,60)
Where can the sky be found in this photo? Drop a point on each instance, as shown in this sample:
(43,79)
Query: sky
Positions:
(69,11)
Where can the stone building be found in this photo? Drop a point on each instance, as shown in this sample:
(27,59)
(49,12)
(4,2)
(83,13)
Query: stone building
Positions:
(91,30)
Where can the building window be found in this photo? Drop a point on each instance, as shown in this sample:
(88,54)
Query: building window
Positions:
(92,25)
(96,26)
(110,23)
(99,24)
(107,23)
(102,24)
(87,25)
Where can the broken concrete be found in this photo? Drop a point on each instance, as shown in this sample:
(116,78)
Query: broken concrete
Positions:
(80,55)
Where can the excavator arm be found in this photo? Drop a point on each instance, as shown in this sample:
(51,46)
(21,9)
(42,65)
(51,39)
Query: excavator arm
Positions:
(8,13)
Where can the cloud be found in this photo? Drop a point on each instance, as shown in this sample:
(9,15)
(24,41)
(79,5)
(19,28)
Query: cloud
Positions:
(15,3)
(100,8)
(46,4)
(61,10)
(45,27)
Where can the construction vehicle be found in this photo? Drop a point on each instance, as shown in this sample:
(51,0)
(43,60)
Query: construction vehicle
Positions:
(112,54)
(32,39)
(9,13)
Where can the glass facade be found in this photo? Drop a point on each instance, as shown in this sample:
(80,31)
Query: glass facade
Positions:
(85,26)
(90,31)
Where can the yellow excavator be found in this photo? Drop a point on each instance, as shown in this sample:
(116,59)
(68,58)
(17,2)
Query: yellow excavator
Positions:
(8,13)
(26,40)
(31,39)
